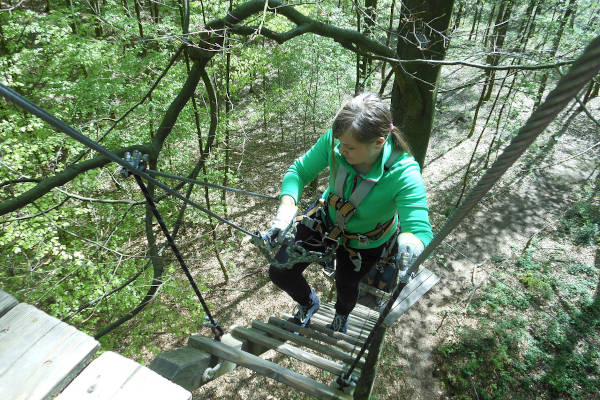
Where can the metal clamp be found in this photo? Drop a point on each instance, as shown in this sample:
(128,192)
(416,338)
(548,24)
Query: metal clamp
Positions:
(137,161)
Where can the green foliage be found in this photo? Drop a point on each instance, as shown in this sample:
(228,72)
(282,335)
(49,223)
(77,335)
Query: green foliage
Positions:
(582,220)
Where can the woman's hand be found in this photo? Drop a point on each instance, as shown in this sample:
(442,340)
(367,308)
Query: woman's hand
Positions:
(410,248)
(285,215)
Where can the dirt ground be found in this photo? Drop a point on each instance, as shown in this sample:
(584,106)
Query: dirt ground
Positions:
(524,203)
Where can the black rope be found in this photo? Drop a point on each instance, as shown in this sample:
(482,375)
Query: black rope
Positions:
(585,68)
(214,325)
(211,185)
(18,99)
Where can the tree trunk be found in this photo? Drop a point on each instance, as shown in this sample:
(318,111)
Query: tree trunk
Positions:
(72,17)
(555,43)
(414,92)
(476,19)
(138,16)
(97,10)
(497,43)
(458,16)
(358,84)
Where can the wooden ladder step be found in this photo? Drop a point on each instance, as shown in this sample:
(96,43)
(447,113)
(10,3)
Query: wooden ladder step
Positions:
(359,332)
(413,291)
(364,287)
(354,320)
(256,336)
(311,333)
(268,369)
(282,334)
(322,327)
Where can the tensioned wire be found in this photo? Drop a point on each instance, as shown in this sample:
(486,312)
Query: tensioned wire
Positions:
(211,185)
(582,71)
(18,99)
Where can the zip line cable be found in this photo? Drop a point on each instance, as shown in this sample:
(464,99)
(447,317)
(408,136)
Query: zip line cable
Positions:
(18,99)
(582,71)
(211,185)
(216,329)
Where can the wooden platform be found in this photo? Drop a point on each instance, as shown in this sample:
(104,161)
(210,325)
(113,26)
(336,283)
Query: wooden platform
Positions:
(40,356)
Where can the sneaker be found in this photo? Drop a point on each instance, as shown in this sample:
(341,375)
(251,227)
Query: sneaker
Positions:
(303,314)
(339,323)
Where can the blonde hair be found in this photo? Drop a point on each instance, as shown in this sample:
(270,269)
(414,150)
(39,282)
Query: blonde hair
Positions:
(367,118)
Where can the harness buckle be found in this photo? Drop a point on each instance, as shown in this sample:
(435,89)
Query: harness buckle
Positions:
(362,239)
(357,261)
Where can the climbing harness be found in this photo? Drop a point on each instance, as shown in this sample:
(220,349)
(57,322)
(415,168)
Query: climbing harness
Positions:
(317,219)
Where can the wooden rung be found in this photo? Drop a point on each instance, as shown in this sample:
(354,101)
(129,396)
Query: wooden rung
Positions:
(353,330)
(414,290)
(258,337)
(268,369)
(365,287)
(359,311)
(356,321)
(311,333)
(322,327)
(302,341)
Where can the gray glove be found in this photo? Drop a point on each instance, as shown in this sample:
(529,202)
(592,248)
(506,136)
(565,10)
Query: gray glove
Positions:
(283,219)
(410,248)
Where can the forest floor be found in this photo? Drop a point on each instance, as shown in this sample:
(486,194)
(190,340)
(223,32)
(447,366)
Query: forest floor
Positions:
(520,216)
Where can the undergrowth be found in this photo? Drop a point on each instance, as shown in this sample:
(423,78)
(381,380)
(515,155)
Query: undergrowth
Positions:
(535,324)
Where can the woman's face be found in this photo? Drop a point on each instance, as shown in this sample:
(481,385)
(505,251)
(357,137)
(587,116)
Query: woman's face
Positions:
(359,154)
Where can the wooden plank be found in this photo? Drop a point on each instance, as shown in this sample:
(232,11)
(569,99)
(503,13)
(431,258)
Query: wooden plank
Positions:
(310,333)
(415,289)
(322,327)
(289,350)
(40,365)
(359,310)
(112,376)
(282,334)
(354,321)
(6,302)
(102,379)
(357,314)
(269,369)
(353,330)
(184,366)
(21,328)
(365,287)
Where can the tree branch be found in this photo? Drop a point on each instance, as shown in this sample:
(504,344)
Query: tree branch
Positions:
(67,175)
(21,180)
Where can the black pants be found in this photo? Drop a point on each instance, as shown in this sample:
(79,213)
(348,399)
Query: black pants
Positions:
(346,278)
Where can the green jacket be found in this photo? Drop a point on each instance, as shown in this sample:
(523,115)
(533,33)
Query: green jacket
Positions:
(399,189)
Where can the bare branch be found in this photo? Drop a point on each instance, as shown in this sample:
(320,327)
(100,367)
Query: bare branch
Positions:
(93,200)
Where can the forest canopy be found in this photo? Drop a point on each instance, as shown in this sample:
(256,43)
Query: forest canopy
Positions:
(209,88)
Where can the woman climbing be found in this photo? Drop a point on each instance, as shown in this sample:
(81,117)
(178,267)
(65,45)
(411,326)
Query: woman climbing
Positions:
(375,187)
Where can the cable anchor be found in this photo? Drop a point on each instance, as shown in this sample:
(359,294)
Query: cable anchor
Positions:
(137,161)
(213,324)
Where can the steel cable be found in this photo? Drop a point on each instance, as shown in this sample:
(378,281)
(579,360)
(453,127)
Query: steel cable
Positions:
(210,185)
(18,99)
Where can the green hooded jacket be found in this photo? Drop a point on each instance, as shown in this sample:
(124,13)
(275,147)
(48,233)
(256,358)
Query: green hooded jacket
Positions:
(400,189)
